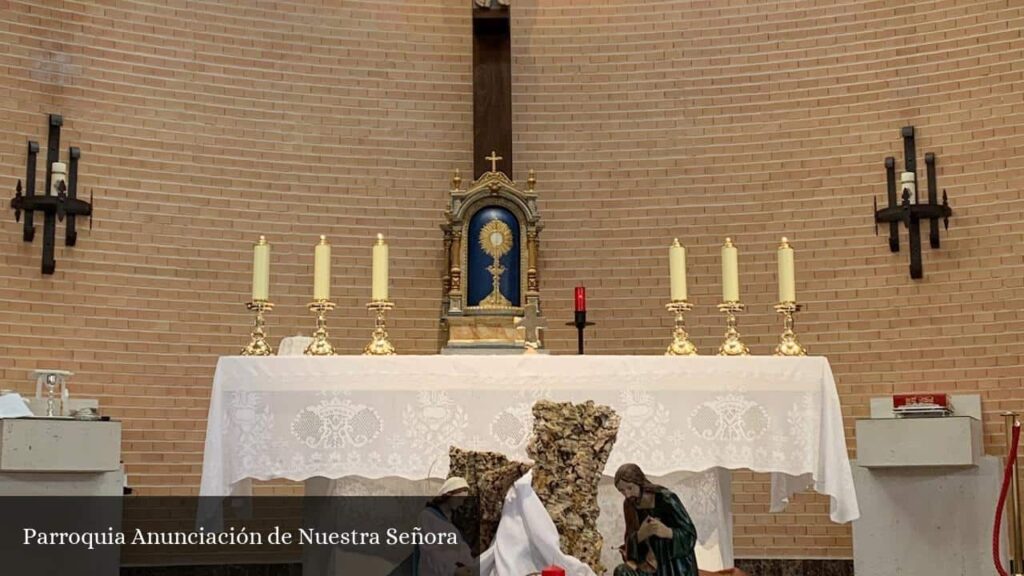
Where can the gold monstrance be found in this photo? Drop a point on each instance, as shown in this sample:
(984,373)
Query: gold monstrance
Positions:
(495,240)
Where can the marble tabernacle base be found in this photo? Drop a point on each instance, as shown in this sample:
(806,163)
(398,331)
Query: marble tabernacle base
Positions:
(485,335)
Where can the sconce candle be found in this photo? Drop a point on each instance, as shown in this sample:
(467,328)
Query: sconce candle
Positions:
(379,290)
(60,174)
(580,299)
(261,270)
(907,183)
(322,270)
(730,272)
(787,273)
(677,270)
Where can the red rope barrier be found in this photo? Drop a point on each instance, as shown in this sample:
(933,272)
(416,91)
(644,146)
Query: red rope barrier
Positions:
(1011,461)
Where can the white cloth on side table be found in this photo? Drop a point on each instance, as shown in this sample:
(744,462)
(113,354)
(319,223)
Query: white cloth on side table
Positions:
(14,406)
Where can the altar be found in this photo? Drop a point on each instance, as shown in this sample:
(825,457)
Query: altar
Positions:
(382,417)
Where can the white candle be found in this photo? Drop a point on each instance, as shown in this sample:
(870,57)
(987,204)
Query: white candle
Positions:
(677,270)
(322,270)
(787,273)
(58,173)
(730,272)
(261,270)
(907,183)
(379,291)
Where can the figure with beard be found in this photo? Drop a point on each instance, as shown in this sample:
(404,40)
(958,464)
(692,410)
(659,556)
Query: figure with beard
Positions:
(660,537)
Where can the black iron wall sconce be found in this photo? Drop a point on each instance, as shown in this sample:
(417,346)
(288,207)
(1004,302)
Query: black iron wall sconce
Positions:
(60,198)
(908,208)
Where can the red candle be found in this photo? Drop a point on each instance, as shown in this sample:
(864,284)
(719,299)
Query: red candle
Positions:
(581,299)
(553,570)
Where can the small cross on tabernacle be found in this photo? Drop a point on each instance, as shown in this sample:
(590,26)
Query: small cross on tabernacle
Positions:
(494,160)
(531,324)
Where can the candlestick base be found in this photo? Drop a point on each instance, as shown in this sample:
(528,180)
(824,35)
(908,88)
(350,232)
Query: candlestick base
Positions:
(789,345)
(321,345)
(732,345)
(258,345)
(681,344)
(379,344)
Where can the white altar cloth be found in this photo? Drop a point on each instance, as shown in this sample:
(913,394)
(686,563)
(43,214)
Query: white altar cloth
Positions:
(302,417)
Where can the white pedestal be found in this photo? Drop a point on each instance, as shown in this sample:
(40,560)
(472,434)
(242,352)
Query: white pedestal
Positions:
(59,457)
(927,493)
(911,442)
(926,520)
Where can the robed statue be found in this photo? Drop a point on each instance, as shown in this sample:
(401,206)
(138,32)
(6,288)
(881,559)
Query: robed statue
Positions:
(660,536)
(437,518)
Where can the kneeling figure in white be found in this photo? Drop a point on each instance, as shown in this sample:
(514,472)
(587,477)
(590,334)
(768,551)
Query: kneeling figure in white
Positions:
(527,540)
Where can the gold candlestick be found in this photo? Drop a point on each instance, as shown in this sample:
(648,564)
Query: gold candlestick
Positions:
(379,344)
(320,346)
(258,345)
(732,345)
(789,345)
(681,344)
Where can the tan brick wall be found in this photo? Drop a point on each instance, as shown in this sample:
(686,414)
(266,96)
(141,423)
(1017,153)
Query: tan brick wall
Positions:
(203,125)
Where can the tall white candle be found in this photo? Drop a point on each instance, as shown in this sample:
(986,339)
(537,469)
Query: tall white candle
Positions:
(58,173)
(322,270)
(730,272)
(677,270)
(787,273)
(261,270)
(379,289)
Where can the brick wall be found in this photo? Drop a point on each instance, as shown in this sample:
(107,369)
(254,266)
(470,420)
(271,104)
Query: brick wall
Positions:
(758,120)
(203,125)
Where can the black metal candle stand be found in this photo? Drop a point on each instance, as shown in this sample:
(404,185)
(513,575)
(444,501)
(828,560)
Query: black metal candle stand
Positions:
(580,322)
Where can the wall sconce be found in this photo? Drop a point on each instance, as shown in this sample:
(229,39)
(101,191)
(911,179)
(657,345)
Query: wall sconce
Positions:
(60,198)
(908,208)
